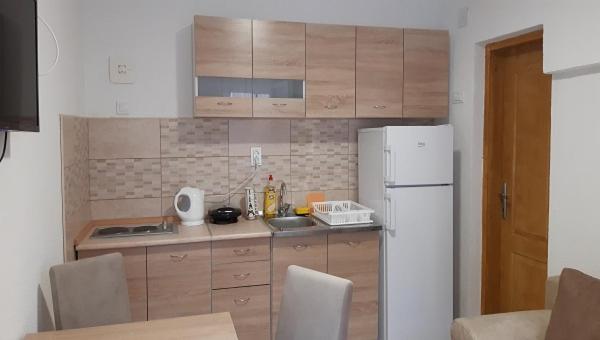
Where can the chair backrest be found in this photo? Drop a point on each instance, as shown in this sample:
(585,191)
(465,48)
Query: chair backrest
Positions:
(314,306)
(90,292)
(551,291)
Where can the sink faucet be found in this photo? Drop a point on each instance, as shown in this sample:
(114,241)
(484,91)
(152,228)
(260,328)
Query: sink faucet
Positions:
(282,208)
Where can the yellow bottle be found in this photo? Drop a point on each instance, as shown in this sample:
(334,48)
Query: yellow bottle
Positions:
(270,209)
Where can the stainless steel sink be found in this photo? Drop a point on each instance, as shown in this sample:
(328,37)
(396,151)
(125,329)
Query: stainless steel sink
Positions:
(283,223)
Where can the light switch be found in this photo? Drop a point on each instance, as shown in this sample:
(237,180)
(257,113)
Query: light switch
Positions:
(122,108)
(458,97)
(121,71)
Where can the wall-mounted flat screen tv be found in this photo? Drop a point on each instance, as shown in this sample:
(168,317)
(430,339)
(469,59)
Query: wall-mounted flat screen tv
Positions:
(19,109)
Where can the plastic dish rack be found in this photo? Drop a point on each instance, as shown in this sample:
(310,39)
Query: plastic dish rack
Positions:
(342,212)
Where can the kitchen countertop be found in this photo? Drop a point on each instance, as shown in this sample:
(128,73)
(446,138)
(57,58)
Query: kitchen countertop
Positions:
(213,232)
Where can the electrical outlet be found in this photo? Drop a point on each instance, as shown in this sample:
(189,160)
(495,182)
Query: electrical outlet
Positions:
(256,156)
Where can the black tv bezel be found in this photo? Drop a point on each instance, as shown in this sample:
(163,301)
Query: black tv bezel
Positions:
(21,125)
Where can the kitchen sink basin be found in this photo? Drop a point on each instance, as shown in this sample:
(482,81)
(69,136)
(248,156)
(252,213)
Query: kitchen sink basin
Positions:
(283,223)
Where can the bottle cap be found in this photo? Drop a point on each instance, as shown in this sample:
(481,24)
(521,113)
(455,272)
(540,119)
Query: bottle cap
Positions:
(270,177)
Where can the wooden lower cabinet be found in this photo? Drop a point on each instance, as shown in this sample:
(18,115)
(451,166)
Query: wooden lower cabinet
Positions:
(134,260)
(249,308)
(179,280)
(355,256)
(307,251)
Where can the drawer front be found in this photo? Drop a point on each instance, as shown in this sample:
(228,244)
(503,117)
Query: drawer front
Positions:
(242,250)
(222,107)
(249,308)
(241,274)
(134,261)
(279,108)
(178,280)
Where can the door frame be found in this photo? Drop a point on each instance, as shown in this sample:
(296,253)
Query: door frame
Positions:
(489,194)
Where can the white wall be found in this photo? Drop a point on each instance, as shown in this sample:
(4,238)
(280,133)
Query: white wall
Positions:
(30,180)
(157,36)
(571,47)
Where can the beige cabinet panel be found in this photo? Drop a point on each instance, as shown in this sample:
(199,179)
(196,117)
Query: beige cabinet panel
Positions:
(134,260)
(222,107)
(278,49)
(379,72)
(241,250)
(330,71)
(241,274)
(178,280)
(279,108)
(249,308)
(223,47)
(426,63)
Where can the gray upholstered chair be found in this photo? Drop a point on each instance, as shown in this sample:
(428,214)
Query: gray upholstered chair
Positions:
(314,306)
(90,292)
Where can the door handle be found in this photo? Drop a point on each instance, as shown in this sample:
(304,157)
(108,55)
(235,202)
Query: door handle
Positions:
(387,155)
(388,213)
(504,200)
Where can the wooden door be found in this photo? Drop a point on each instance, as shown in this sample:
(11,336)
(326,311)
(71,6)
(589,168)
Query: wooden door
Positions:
(330,71)
(516,176)
(179,280)
(223,47)
(426,71)
(379,72)
(249,308)
(355,256)
(278,49)
(134,261)
(309,252)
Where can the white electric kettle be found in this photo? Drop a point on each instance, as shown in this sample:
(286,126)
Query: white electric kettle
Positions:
(189,204)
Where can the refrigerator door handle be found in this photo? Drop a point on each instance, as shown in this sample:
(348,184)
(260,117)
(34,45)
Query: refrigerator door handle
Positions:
(388,213)
(389,162)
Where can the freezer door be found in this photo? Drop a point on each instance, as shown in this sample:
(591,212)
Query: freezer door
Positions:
(418,155)
(418,261)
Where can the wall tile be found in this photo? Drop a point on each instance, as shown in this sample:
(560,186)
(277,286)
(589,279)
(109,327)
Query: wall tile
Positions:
(125,208)
(239,201)
(240,169)
(319,137)
(76,187)
(74,139)
(188,137)
(124,178)
(208,173)
(272,135)
(352,171)
(319,172)
(73,224)
(112,138)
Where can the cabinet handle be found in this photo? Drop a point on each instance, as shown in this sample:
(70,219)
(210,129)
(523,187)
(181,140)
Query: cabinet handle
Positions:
(300,247)
(241,252)
(241,301)
(241,277)
(178,258)
(279,104)
(331,106)
(379,107)
(225,103)
(353,244)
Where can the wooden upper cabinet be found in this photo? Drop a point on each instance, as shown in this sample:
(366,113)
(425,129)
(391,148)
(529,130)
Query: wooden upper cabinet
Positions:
(330,71)
(379,72)
(278,49)
(426,62)
(223,47)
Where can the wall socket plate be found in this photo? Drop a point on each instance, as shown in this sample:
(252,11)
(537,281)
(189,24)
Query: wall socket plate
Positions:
(256,155)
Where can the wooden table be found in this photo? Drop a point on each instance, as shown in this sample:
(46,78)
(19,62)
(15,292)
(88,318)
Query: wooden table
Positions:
(206,327)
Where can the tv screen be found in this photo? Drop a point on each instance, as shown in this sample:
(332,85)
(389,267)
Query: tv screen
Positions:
(18,66)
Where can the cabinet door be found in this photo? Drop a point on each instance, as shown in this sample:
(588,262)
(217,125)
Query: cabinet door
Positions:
(249,308)
(309,252)
(134,260)
(379,72)
(223,47)
(355,256)
(330,71)
(178,280)
(278,49)
(426,59)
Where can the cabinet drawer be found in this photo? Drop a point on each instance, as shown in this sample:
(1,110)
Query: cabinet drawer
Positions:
(241,274)
(242,250)
(249,308)
(222,107)
(178,280)
(279,107)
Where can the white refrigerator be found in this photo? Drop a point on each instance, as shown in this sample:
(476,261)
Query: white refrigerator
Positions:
(405,175)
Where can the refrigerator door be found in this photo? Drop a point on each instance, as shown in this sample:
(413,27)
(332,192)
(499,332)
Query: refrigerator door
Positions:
(418,155)
(418,260)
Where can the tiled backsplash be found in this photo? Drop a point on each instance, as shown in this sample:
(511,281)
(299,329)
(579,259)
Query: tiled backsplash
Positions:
(136,165)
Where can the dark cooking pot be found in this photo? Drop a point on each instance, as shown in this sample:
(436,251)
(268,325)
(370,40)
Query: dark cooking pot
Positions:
(225,215)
